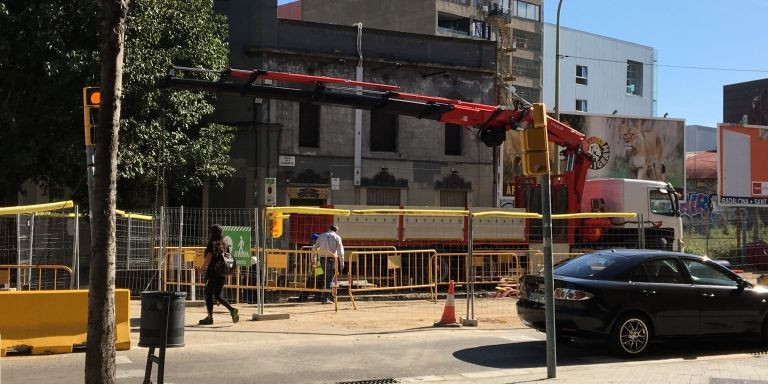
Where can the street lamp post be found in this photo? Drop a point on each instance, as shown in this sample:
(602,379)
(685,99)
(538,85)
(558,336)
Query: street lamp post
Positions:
(557,63)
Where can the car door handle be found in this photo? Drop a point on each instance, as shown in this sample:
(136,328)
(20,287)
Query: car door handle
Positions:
(708,294)
(648,292)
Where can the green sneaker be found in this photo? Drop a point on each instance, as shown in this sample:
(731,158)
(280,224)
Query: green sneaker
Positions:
(235,316)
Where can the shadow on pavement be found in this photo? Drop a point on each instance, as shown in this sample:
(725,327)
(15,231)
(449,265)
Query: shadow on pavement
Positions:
(532,354)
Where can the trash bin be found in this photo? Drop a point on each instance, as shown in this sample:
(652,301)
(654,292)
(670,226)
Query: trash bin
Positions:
(154,306)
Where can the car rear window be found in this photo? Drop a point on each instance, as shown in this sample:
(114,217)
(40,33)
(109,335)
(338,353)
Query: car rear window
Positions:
(593,266)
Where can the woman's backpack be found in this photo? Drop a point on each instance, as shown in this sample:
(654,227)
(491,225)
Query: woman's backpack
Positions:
(225,265)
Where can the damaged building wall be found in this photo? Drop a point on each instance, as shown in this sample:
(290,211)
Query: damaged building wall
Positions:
(416,171)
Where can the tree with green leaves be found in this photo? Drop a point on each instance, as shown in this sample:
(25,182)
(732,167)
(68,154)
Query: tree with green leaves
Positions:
(49,50)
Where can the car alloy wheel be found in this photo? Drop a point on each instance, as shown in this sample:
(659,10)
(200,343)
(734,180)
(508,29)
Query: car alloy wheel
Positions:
(631,335)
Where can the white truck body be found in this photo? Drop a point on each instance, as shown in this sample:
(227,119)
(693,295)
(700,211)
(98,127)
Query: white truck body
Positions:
(651,200)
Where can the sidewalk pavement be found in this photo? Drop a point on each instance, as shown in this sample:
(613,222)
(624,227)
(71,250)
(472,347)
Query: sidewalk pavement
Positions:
(695,362)
(731,369)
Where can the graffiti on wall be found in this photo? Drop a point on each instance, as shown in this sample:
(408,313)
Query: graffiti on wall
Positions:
(703,208)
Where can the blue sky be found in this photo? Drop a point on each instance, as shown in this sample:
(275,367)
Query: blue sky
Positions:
(723,34)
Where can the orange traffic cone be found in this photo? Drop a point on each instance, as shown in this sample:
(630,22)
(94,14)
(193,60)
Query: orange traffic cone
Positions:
(449,312)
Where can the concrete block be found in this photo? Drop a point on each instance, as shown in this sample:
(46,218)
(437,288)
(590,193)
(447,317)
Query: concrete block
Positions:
(271,316)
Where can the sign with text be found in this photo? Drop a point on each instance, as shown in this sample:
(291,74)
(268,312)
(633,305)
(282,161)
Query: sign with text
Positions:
(239,241)
(742,174)
(287,161)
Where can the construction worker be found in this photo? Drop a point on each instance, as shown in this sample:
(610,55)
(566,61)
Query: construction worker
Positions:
(329,241)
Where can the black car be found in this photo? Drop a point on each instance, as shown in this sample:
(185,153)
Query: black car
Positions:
(633,297)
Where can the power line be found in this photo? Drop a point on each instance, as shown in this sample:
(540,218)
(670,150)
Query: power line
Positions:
(670,66)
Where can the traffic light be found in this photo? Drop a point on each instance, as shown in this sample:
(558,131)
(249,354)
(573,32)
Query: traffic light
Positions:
(276,224)
(91,102)
(536,144)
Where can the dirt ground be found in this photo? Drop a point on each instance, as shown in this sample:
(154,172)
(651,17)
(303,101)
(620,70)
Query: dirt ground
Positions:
(370,316)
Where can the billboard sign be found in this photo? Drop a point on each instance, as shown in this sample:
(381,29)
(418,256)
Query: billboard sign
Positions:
(746,103)
(742,174)
(624,147)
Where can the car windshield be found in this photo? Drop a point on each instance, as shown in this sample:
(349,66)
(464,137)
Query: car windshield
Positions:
(661,203)
(593,266)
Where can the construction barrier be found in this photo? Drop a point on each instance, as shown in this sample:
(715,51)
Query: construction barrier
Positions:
(536,263)
(47,277)
(390,271)
(488,267)
(45,322)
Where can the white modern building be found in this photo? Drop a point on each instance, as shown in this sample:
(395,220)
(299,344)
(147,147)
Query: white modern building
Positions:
(599,74)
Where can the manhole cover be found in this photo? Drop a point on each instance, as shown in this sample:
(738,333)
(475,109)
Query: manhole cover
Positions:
(370,381)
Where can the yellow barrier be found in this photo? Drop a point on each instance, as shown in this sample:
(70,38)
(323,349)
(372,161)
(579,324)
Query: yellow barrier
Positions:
(55,321)
(25,272)
(5,211)
(390,271)
(490,267)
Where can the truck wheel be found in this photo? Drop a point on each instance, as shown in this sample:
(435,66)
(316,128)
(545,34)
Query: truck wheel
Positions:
(631,335)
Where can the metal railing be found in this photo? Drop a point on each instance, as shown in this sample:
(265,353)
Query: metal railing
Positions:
(390,271)
(25,273)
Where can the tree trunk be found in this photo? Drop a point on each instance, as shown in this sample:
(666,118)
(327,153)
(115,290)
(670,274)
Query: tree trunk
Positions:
(100,350)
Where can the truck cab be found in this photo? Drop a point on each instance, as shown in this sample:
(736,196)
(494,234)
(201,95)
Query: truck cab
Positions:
(655,202)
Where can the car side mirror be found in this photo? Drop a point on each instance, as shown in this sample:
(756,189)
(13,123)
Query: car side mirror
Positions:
(741,283)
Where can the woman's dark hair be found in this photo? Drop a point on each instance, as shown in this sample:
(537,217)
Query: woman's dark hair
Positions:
(215,233)
(216,239)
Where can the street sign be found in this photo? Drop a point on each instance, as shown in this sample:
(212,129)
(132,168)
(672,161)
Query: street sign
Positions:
(287,161)
(335,183)
(270,191)
(239,241)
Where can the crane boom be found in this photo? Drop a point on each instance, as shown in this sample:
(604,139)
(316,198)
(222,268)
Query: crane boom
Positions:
(492,122)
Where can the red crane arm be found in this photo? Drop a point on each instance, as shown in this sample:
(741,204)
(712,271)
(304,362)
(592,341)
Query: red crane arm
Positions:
(491,121)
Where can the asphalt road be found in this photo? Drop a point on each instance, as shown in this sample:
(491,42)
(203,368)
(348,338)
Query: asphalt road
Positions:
(222,354)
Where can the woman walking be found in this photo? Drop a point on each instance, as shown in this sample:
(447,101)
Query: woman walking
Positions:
(214,282)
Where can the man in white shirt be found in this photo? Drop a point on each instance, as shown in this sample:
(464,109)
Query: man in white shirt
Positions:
(329,241)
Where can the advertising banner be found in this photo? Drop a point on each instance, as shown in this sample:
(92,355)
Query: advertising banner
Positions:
(623,147)
(741,167)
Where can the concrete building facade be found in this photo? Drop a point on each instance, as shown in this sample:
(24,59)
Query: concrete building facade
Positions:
(514,23)
(311,150)
(599,74)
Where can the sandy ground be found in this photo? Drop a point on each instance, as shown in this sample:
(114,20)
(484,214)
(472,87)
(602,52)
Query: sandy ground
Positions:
(370,316)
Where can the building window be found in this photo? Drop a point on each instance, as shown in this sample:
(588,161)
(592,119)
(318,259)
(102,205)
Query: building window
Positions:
(634,78)
(450,198)
(581,74)
(526,40)
(581,105)
(526,10)
(309,125)
(526,68)
(528,94)
(453,139)
(382,196)
(453,24)
(481,29)
(383,132)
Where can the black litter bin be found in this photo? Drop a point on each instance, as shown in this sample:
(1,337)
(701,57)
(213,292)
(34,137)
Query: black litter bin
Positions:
(154,307)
